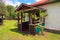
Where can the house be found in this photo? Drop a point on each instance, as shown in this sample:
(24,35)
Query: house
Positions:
(52,21)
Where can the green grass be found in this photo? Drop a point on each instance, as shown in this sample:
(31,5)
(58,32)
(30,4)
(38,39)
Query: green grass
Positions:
(8,31)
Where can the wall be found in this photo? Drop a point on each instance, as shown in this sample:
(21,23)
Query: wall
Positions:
(52,21)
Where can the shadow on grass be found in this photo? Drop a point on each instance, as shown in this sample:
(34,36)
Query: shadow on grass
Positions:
(52,31)
(17,31)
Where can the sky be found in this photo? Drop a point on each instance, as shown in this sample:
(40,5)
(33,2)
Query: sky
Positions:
(18,2)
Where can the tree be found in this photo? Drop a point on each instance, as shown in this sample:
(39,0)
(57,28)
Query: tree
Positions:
(2,7)
(11,11)
(2,11)
(16,6)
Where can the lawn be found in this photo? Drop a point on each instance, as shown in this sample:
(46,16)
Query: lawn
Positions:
(8,31)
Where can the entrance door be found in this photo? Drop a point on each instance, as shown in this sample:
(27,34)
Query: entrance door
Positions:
(25,27)
(25,22)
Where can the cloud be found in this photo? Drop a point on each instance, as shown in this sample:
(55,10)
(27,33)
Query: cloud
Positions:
(28,3)
(10,2)
(38,0)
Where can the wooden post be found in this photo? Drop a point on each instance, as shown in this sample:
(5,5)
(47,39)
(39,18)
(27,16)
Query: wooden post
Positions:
(20,22)
(29,22)
(34,25)
(18,18)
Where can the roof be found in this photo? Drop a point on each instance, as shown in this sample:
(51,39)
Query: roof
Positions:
(27,8)
(43,2)
(38,3)
(24,7)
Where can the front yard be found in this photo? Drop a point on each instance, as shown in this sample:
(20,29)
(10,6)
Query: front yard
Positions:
(8,31)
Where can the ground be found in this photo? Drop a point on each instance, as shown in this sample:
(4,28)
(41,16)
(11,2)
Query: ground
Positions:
(8,31)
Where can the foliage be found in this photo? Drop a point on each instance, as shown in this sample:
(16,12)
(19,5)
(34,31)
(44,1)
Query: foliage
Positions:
(2,7)
(33,16)
(11,11)
(23,14)
(8,10)
(43,14)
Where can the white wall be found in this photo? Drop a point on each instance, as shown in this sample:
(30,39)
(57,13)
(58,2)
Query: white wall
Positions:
(53,18)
